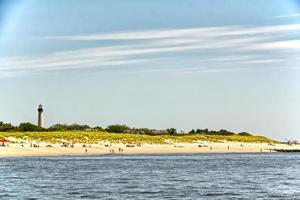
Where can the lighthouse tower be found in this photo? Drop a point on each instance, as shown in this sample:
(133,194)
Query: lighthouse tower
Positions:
(40,116)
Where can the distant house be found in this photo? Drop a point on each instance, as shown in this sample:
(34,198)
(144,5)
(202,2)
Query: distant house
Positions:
(290,142)
(134,131)
(159,132)
(140,131)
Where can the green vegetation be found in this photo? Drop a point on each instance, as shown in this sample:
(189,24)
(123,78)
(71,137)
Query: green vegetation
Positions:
(96,136)
(171,131)
(119,133)
(117,128)
(6,127)
(65,127)
(28,127)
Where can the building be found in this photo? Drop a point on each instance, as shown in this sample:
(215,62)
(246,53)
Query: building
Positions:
(40,116)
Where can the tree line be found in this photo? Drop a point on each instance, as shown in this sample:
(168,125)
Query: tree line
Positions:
(115,128)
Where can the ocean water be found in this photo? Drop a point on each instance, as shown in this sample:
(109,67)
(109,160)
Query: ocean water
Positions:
(188,176)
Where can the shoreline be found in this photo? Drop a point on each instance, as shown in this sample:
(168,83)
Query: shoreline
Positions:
(24,150)
(135,154)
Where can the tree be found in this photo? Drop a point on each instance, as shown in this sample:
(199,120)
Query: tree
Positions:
(28,127)
(98,128)
(117,128)
(171,131)
(205,131)
(6,127)
(198,130)
(65,127)
(146,131)
(78,127)
(58,127)
(192,131)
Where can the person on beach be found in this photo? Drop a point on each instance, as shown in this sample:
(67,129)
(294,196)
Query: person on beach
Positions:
(85,150)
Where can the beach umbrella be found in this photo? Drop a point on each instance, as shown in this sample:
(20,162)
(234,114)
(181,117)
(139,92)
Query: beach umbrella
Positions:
(3,140)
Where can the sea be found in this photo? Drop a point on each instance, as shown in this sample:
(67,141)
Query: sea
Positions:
(182,176)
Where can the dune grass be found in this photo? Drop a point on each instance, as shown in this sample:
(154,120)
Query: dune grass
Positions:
(91,137)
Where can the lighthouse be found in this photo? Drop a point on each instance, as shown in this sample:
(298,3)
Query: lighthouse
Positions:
(40,116)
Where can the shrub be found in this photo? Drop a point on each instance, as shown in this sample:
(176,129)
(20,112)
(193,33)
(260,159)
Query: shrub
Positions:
(29,127)
(6,127)
(244,134)
(192,131)
(117,128)
(171,131)
(145,131)
(65,127)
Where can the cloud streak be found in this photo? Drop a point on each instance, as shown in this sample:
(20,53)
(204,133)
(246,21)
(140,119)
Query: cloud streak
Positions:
(286,16)
(185,34)
(238,46)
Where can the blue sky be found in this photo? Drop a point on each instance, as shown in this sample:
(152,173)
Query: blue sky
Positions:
(217,64)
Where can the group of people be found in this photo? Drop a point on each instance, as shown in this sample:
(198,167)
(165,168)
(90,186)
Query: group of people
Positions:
(112,151)
(34,145)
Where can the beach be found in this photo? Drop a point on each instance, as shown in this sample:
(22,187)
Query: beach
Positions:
(48,149)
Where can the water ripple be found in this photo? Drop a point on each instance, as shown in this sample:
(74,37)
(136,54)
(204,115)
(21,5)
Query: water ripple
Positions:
(203,176)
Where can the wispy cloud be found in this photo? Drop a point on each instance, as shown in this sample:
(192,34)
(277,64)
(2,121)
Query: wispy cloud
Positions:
(277,45)
(232,47)
(184,34)
(285,16)
(217,70)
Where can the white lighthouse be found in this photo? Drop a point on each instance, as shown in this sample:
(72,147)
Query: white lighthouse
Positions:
(40,116)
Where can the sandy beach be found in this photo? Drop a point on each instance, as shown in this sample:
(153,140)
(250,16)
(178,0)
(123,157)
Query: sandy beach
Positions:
(47,149)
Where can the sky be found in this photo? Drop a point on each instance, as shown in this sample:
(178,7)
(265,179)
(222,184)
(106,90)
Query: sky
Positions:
(216,64)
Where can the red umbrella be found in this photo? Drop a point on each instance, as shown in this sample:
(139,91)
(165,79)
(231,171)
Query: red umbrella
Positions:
(3,140)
